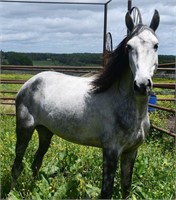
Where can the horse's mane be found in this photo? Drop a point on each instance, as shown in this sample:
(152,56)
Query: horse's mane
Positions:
(116,65)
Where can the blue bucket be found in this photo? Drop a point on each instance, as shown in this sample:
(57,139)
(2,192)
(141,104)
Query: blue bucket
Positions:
(152,100)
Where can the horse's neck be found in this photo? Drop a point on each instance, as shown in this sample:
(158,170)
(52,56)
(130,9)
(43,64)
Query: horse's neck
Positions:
(125,90)
(126,83)
(142,106)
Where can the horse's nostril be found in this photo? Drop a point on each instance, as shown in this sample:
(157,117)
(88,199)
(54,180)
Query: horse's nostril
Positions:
(136,87)
(142,88)
(149,83)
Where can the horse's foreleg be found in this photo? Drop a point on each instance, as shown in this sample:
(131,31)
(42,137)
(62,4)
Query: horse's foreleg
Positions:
(127,163)
(23,137)
(109,170)
(44,142)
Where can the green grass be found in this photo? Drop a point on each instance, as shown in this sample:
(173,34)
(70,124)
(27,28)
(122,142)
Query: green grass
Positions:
(73,171)
(163,80)
(13,87)
(15,76)
(45,63)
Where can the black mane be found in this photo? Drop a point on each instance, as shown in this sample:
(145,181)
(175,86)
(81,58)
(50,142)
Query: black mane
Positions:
(116,65)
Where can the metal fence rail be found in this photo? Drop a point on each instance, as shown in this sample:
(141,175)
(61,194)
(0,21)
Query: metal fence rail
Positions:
(162,108)
(164,130)
(79,70)
(165,85)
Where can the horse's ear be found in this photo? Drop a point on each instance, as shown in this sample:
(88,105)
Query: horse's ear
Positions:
(129,22)
(155,21)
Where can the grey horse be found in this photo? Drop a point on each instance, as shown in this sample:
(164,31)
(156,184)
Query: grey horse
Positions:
(107,110)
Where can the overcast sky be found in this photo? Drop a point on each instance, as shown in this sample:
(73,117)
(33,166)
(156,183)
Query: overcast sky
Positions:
(78,28)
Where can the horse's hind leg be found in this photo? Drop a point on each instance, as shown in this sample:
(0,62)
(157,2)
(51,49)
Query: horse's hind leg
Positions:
(44,142)
(23,137)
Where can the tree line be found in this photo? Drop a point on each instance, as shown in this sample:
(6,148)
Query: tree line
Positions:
(74,59)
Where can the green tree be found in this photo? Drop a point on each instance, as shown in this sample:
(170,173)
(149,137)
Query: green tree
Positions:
(19,59)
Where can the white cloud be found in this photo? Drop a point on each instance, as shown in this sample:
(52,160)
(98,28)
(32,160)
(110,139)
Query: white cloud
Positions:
(18,36)
(77,28)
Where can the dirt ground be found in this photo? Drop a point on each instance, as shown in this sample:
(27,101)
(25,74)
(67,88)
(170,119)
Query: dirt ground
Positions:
(171,124)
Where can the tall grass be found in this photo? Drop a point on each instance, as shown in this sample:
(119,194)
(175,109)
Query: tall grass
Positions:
(71,171)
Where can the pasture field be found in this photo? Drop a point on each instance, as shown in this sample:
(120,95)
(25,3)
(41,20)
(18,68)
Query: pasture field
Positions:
(71,171)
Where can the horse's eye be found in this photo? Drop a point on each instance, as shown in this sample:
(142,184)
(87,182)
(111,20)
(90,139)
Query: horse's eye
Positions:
(156,47)
(129,47)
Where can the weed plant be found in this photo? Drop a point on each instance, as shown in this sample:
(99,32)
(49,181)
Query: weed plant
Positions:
(71,171)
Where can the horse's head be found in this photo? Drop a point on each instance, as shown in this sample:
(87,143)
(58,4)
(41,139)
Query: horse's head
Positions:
(142,50)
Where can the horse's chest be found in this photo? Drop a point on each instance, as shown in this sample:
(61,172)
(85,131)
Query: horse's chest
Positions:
(133,137)
(132,132)
(136,138)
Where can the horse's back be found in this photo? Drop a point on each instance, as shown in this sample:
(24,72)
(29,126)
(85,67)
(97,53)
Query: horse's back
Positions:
(51,90)
(53,83)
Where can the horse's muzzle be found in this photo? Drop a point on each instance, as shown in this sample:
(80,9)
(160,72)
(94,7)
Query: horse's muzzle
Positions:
(143,88)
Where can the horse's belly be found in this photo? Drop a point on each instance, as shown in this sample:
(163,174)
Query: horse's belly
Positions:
(74,129)
(80,139)
(79,136)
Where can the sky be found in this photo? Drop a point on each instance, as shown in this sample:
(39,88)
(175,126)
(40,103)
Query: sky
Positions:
(56,28)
